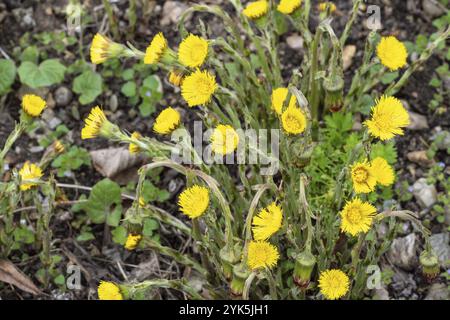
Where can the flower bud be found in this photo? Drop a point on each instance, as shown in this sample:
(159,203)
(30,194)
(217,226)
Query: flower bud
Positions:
(334,93)
(304,265)
(228,260)
(240,275)
(430,264)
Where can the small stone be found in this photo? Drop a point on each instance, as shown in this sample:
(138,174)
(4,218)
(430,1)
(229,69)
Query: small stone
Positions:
(440,244)
(347,55)
(54,122)
(417,121)
(381,294)
(403,252)
(113,102)
(438,291)
(420,157)
(63,96)
(294,41)
(425,194)
(172,11)
(50,101)
(36,149)
(442,140)
(432,8)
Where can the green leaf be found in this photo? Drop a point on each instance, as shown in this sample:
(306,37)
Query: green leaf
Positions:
(128,74)
(85,236)
(104,203)
(147,108)
(150,225)
(30,54)
(339,121)
(386,151)
(59,280)
(49,72)
(152,193)
(7,75)
(24,235)
(129,89)
(388,77)
(73,159)
(153,83)
(421,43)
(119,235)
(88,85)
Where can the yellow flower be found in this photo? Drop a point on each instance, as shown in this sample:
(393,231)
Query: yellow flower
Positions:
(262,254)
(256,9)
(94,124)
(288,6)
(198,88)
(267,222)
(142,202)
(324,6)
(176,78)
(134,148)
(132,241)
(392,53)
(100,48)
(364,180)
(333,284)
(383,171)
(279,96)
(388,118)
(29,171)
(109,291)
(193,51)
(194,201)
(224,139)
(293,120)
(58,146)
(357,216)
(156,49)
(167,121)
(33,105)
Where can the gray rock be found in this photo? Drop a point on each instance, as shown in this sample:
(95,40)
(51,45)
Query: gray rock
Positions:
(420,157)
(425,194)
(172,11)
(440,244)
(403,252)
(417,121)
(438,291)
(63,96)
(381,294)
(294,41)
(113,102)
(442,140)
(24,17)
(432,8)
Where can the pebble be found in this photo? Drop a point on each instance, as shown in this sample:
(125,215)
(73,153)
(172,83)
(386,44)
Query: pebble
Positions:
(63,96)
(442,140)
(347,55)
(440,244)
(438,291)
(420,157)
(432,9)
(425,194)
(403,252)
(417,121)
(172,11)
(294,41)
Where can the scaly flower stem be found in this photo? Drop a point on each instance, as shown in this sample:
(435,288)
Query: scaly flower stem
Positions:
(13,136)
(314,85)
(350,22)
(111,18)
(169,284)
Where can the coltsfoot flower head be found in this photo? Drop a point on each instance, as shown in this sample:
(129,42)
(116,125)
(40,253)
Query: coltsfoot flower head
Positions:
(176,78)
(383,171)
(279,96)
(262,254)
(109,291)
(328,5)
(293,120)
(392,53)
(96,124)
(33,105)
(388,118)
(333,284)
(132,241)
(289,6)
(224,139)
(363,178)
(256,9)
(29,171)
(134,148)
(156,49)
(103,48)
(198,87)
(167,121)
(357,216)
(58,146)
(193,51)
(267,222)
(194,201)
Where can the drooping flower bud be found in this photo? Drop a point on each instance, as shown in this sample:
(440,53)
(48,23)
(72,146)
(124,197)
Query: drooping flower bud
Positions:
(304,265)
(430,264)
(334,93)
(240,275)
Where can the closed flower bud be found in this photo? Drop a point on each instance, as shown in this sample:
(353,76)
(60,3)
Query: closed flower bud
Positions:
(430,264)
(240,275)
(334,93)
(304,265)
